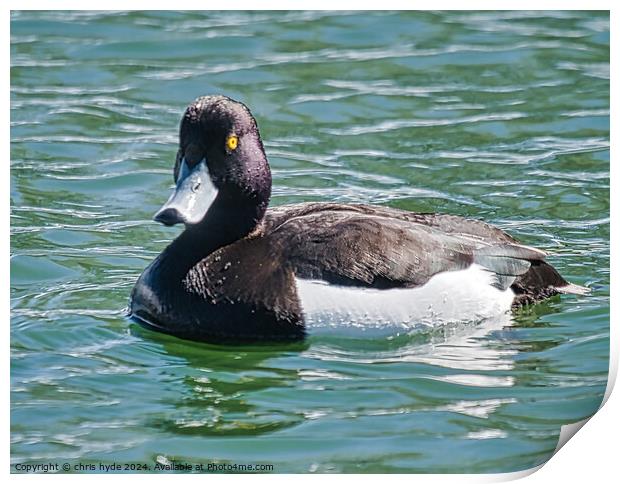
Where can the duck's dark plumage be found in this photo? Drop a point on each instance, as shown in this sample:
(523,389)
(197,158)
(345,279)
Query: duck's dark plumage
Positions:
(232,275)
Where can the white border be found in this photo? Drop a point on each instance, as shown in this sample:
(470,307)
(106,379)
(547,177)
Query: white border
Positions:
(591,456)
(310,5)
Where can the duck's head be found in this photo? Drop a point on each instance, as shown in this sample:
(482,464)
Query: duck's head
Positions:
(221,169)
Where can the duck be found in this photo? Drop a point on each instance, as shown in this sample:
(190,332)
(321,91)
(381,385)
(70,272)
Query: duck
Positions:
(241,272)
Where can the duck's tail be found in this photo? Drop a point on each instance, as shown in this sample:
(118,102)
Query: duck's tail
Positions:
(540,282)
(573,289)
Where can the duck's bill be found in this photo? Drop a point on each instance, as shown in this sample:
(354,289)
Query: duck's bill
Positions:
(192,197)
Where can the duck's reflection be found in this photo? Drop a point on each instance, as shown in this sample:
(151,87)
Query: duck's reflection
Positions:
(462,346)
(254,390)
(221,387)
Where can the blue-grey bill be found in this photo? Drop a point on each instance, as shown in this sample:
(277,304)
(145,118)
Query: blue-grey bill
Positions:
(192,197)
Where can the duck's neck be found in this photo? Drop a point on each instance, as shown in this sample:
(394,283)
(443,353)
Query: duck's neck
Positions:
(225,223)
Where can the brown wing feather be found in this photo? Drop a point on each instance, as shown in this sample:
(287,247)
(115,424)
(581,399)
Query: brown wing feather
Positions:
(383,247)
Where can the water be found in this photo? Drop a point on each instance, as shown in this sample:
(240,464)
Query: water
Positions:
(496,115)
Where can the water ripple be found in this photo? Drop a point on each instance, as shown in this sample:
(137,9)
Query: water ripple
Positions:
(397,124)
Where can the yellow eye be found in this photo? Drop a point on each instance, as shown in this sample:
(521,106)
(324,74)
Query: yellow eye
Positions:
(231,142)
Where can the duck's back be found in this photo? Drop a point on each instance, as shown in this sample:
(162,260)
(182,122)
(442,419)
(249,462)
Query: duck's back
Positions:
(380,247)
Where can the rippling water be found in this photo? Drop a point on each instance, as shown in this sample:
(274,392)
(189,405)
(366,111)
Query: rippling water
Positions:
(493,115)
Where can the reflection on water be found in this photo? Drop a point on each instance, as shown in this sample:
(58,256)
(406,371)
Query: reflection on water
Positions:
(217,397)
(466,346)
(500,116)
(227,391)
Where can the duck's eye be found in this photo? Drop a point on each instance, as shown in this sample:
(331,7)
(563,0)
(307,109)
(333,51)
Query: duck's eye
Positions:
(231,142)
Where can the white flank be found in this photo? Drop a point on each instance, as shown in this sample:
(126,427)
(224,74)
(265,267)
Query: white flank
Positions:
(449,297)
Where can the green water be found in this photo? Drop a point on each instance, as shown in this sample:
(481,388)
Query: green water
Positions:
(496,115)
